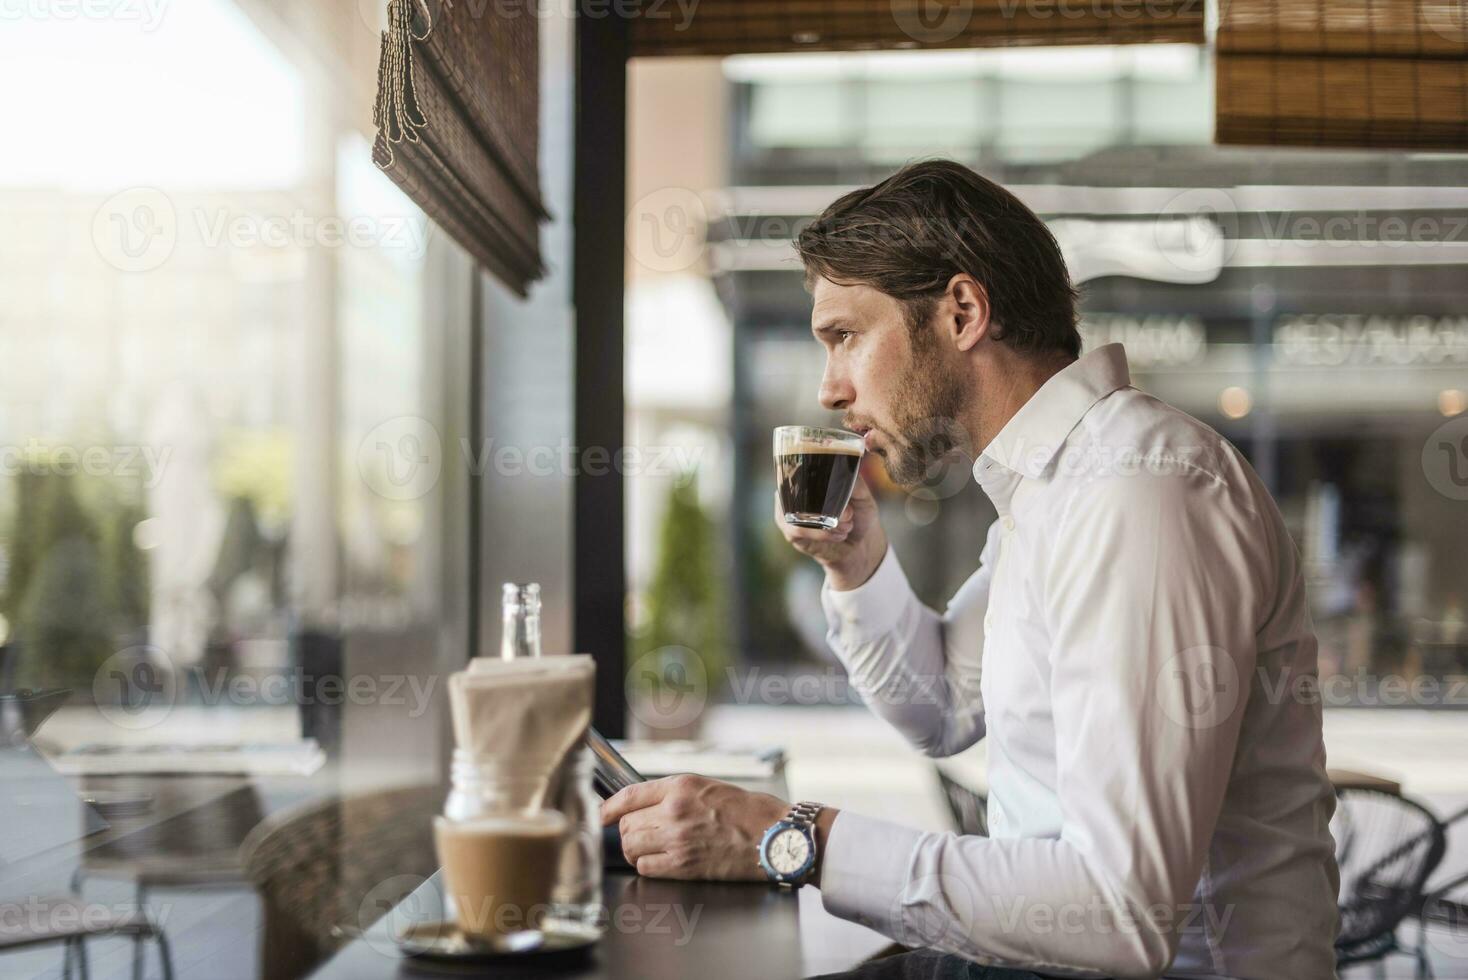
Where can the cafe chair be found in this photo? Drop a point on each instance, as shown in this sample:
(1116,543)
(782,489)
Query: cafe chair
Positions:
(326,871)
(1386,847)
(969,808)
(1445,906)
(71,922)
(180,854)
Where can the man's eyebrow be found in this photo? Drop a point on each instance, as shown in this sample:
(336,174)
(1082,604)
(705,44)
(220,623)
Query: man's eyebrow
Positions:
(829,326)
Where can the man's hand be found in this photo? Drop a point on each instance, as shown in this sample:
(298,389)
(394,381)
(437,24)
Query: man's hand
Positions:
(852,550)
(691,827)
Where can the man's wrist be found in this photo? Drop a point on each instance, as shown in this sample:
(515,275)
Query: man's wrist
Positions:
(822,830)
(846,578)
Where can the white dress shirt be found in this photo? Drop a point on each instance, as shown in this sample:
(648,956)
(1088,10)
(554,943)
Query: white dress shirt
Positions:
(1136,647)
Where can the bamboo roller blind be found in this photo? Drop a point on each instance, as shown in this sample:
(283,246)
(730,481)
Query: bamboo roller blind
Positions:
(1360,73)
(457,116)
(723,27)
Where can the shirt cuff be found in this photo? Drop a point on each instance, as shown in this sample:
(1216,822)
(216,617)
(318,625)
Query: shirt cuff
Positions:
(873,608)
(865,872)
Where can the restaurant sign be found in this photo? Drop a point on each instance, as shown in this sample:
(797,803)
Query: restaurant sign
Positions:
(1158,340)
(1333,339)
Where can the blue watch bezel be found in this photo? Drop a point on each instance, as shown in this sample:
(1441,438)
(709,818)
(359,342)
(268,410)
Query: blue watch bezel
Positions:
(798,875)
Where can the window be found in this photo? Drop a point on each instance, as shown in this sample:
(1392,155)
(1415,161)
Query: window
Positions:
(219,382)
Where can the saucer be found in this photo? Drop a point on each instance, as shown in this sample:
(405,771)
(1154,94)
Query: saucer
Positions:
(443,940)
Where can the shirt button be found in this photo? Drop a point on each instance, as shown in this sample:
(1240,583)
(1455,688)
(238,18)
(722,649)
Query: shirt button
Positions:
(988,622)
(1008,523)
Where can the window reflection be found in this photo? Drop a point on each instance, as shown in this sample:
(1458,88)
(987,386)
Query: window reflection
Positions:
(213,300)
(1307,305)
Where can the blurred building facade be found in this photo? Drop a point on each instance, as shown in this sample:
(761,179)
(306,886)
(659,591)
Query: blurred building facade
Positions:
(1309,305)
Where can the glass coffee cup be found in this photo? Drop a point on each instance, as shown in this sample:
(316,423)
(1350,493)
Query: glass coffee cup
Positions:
(816,470)
(486,792)
(499,870)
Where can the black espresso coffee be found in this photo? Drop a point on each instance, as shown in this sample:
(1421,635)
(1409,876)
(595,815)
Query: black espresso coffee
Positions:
(816,482)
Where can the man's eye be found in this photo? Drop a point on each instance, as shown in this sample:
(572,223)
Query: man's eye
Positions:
(841,335)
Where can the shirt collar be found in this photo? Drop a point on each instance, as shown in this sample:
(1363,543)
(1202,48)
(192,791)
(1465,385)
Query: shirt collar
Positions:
(1030,440)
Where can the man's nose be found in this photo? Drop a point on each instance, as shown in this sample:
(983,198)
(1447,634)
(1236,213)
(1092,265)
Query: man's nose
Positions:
(835,394)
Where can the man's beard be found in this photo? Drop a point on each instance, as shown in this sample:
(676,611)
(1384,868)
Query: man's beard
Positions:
(929,399)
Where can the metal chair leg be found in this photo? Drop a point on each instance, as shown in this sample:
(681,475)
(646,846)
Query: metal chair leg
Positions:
(140,907)
(164,954)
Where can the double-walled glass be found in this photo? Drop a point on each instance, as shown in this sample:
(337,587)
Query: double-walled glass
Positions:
(484,794)
(816,470)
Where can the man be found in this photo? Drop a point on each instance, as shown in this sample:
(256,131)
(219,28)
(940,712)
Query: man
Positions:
(1133,644)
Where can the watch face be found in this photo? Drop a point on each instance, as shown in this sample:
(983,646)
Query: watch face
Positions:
(788,851)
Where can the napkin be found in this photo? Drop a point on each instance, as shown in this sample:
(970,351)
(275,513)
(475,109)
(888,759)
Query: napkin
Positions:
(528,714)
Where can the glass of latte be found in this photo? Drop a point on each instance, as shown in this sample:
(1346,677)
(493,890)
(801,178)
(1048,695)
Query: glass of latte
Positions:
(816,469)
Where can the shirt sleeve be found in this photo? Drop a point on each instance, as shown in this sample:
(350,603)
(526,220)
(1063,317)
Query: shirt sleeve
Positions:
(913,667)
(1150,603)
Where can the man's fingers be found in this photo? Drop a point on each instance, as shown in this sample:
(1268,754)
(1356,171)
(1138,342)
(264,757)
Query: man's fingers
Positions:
(638,796)
(657,866)
(636,843)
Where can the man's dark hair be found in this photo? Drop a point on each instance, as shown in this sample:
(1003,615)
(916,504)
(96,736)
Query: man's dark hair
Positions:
(912,233)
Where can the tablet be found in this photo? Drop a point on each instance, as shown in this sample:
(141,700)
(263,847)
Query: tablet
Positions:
(613,772)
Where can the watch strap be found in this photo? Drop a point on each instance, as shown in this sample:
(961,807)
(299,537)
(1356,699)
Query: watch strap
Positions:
(804,814)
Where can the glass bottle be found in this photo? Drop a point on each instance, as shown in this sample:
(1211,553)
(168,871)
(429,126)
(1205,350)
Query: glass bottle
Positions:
(520,636)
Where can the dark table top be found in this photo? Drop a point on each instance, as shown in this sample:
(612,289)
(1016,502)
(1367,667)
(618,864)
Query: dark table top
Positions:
(181,858)
(656,929)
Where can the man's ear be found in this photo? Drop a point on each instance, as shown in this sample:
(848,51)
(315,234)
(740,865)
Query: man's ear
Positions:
(968,306)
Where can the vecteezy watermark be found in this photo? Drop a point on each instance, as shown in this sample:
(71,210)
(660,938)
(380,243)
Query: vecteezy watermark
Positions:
(47,914)
(403,458)
(140,228)
(299,228)
(401,901)
(1446,20)
(1361,227)
(1199,687)
(147,14)
(1445,927)
(1197,230)
(667,229)
(38,458)
(1100,10)
(680,12)
(1098,459)
(667,688)
(1445,459)
(402,907)
(933,912)
(1362,689)
(135,230)
(1098,916)
(932,21)
(832,685)
(137,688)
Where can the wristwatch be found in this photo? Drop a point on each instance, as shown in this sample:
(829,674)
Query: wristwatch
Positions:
(787,852)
